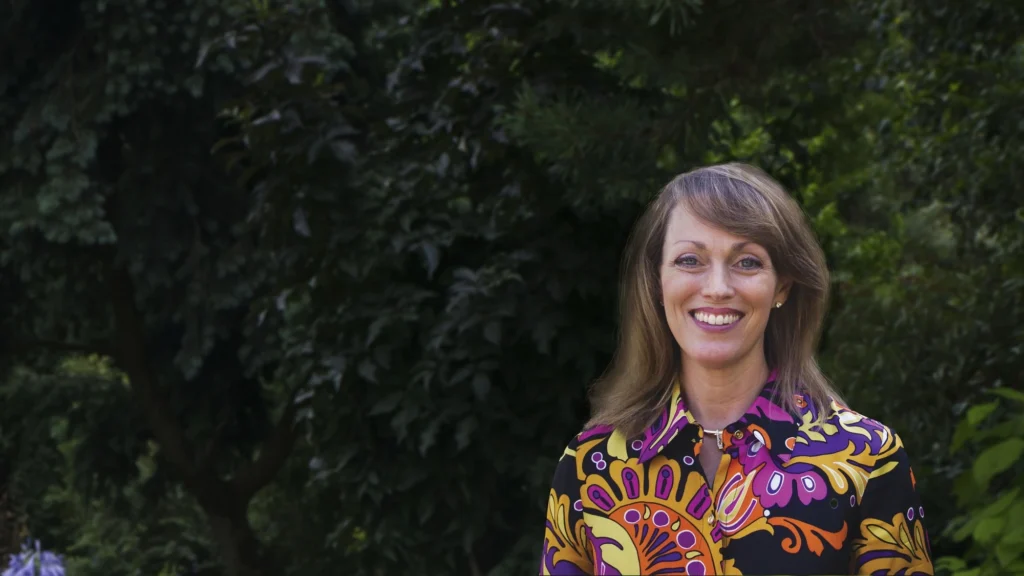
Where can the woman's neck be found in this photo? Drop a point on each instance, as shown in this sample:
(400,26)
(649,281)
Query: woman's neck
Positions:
(717,397)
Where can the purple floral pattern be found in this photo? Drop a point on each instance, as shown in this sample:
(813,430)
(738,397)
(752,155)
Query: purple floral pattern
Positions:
(782,499)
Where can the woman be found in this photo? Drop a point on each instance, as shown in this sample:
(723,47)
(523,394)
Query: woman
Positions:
(716,444)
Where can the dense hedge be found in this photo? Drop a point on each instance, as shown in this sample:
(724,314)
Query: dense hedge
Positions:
(300,284)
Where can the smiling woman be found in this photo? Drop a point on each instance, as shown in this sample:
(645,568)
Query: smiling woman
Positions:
(698,276)
(723,295)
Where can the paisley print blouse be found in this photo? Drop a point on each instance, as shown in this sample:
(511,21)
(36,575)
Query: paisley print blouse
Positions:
(788,498)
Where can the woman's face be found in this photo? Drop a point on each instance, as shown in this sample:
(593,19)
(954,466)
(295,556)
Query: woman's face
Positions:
(718,291)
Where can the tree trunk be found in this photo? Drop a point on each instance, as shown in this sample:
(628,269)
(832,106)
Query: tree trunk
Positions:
(241,552)
(225,503)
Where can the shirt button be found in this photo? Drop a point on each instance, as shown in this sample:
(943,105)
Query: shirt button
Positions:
(711,519)
(738,434)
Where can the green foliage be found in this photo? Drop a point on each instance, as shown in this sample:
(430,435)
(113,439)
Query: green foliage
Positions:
(990,492)
(124,237)
(340,272)
(106,521)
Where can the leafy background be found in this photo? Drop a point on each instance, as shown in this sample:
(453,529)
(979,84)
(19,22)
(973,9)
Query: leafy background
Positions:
(297,286)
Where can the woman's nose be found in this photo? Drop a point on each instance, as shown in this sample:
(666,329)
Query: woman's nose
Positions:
(717,285)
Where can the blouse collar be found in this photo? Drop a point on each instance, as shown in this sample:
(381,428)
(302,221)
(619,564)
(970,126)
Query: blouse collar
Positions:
(676,416)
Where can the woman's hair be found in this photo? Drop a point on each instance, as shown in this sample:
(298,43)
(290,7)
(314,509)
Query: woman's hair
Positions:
(746,202)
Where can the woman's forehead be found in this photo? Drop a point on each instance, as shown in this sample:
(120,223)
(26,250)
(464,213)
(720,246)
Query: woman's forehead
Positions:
(685,228)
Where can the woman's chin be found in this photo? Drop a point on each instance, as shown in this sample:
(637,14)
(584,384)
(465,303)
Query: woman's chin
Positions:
(714,358)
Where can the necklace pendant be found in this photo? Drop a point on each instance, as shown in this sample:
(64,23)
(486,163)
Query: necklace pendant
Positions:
(718,437)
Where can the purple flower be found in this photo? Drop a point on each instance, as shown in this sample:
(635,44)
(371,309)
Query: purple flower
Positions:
(34,562)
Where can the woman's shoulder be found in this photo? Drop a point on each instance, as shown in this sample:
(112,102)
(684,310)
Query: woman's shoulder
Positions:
(585,441)
(861,438)
(839,413)
(588,437)
(581,447)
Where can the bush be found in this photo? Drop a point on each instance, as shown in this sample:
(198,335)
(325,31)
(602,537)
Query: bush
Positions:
(995,431)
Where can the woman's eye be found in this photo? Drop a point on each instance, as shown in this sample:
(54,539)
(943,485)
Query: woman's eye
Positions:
(686,261)
(750,264)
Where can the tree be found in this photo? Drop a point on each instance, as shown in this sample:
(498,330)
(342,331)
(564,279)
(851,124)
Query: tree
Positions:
(125,238)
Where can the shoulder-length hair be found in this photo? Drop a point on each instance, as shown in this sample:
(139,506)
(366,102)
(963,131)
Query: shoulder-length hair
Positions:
(746,202)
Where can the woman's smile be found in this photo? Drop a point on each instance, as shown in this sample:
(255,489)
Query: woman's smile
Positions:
(716,319)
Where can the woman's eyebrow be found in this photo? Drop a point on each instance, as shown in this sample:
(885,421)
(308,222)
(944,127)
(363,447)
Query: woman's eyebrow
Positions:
(735,247)
(700,245)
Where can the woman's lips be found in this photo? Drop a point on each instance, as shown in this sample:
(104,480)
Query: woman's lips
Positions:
(716,319)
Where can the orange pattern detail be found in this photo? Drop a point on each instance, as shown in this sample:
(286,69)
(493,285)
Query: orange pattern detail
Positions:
(816,537)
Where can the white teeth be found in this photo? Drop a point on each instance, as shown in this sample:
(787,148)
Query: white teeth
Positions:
(716,319)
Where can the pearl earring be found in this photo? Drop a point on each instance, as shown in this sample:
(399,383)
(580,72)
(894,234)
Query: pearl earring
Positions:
(778,304)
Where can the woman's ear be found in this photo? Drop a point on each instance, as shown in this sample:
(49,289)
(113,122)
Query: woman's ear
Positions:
(782,290)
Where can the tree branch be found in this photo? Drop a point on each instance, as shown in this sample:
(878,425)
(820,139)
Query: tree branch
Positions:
(474,567)
(204,463)
(23,346)
(131,357)
(274,453)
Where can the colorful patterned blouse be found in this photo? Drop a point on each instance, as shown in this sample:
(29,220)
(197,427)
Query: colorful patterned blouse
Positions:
(788,498)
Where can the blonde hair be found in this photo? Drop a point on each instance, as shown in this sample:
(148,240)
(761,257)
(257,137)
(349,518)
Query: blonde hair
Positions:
(746,202)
